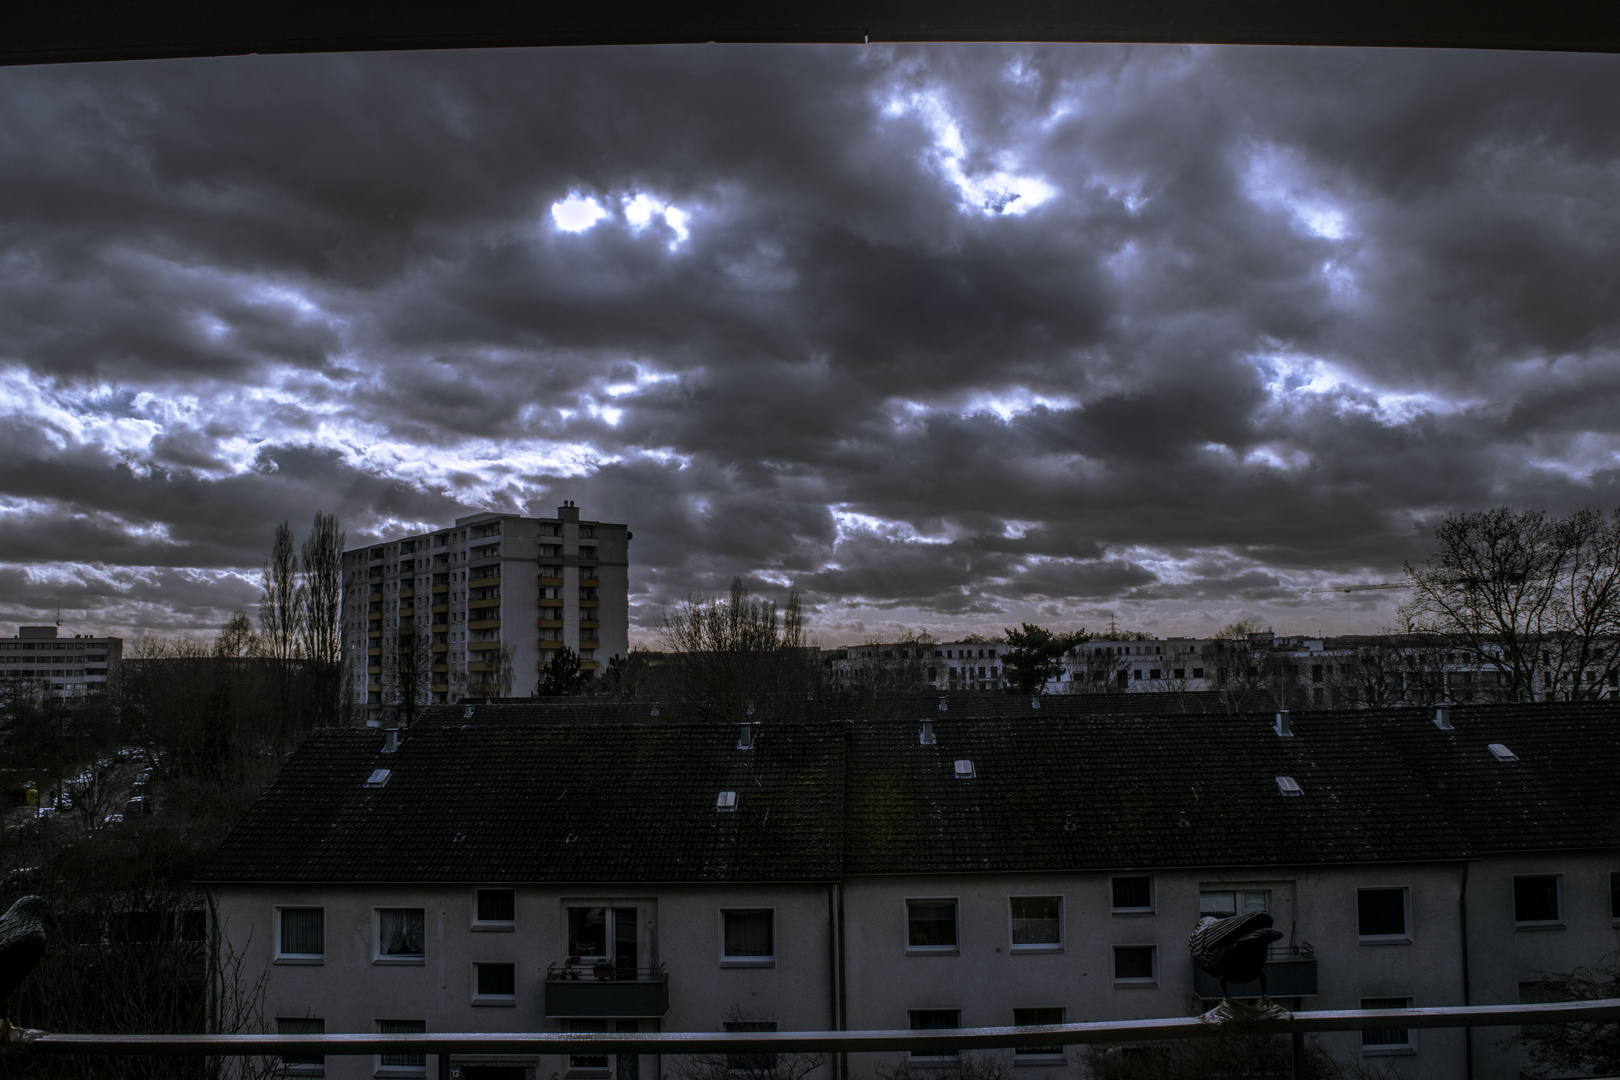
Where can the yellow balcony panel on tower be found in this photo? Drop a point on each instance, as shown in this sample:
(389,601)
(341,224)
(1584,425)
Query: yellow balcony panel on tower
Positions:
(590,603)
(589,624)
(373,652)
(440,609)
(441,647)
(441,588)
(406,594)
(441,688)
(485,624)
(406,612)
(492,602)
(482,646)
(481,667)
(589,665)
(375,598)
(589,582)
(483,582)
(373,671)
(589,643)
(544,580)
(374,688)
(373,633)
(440,669)
(439,628)
(551,624)
(375,615)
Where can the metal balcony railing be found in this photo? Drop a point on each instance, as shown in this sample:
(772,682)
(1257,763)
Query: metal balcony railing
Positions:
(446,1045)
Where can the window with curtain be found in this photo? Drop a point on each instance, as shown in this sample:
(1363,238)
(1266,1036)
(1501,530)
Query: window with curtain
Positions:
(400,933)
(303,932)
(750,935)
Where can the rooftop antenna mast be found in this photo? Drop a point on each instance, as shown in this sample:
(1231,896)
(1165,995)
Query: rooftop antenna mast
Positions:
(59,618)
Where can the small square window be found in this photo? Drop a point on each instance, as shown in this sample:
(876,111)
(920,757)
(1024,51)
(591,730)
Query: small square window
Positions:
(303,936)
(1136,965)
(401,933)
(749,938)
(302,1025)
(931,925)
(1038,1055)
(1037,923)
(1133,895)
(1381,914)
(403,1065)
(1376,1041)
(496,984)
(935,1020)
(1537,900)
(496,909)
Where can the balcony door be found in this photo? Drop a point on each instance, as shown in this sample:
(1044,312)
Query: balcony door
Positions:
(604,936)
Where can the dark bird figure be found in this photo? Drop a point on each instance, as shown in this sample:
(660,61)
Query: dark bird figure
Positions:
(1234,949)
(22,943)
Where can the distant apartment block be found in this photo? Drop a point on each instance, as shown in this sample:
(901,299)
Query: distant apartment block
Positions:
(64,666)
(496,596)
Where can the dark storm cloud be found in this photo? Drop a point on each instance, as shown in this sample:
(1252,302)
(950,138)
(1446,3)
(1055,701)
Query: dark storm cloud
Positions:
(937,336)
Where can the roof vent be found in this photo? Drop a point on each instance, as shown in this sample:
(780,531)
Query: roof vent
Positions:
(944,702)
(926,735)
(1288,785)
(390,740)
(726,801)
(1284,728)
(745,736)
(964,769)
(1034,702)
(468,714)
(1502,753)
(1442,719)
(750,708)
(655,708)
(378,777)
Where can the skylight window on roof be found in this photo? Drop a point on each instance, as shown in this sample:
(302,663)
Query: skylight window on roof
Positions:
(964,769)
(378,777)
(1502,753)
(745,736)
(1288,785)
(727,800)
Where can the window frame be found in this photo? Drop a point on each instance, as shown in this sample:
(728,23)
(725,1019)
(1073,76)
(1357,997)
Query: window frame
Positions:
(493,926)
(1406,916)
(382,959)
(1558,897)
(1134,912)
(493,1000)
(747,961)
(308,959)
(1136,982)
(1040,1055)
(1022,948)
(1391,1049)
(943,1057)
(953,949)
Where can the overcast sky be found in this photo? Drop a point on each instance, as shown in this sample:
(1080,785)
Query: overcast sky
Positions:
(946,338)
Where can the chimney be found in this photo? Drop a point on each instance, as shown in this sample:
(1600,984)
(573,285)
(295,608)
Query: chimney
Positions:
(568,511)
(390,740)
(1284,728)
(1442,719)
(468,715)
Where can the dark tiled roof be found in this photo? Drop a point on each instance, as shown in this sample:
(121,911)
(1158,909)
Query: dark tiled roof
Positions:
(587,792)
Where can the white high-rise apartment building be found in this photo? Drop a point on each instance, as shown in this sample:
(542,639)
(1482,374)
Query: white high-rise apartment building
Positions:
(493,597)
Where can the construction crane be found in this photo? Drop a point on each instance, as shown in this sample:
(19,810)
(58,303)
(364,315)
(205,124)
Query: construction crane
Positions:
(1365,588)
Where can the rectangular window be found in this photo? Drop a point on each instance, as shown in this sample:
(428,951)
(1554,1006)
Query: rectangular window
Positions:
(1224,903)
(750,938)
(497,909)
(603,935)
(1037,923)
(1614,895)
(1038,1055)
(1386,1040)
(935,1020)
(496,984)
(1136,965)
(402,1064)
(302,1025)
(751,1066)
(303,935)
(1381,914)
(931,925)
(400,935)
(1537,900)
(1133,895)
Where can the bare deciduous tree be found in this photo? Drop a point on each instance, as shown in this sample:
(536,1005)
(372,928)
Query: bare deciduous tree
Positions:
(280,614)
(734,650)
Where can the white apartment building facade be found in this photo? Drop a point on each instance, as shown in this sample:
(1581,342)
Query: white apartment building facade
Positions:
(63,666)
(484,606)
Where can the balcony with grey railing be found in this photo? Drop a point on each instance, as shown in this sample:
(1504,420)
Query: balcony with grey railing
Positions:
(583,990)
(447,1047)
(1290,972)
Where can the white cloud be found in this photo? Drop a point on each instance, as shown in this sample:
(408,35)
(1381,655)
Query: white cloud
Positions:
(577,213)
